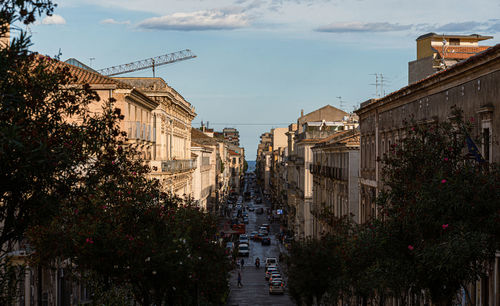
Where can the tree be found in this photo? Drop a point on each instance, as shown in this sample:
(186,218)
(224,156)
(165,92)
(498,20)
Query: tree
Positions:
(41,149)
(441,208)
(119,225)
(71,188)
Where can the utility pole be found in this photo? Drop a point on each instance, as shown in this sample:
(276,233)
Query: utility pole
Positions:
(91,59)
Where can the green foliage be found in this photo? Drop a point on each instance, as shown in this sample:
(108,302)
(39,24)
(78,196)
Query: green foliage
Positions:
(438,231)
(119,225)
(441,208)
(73,189)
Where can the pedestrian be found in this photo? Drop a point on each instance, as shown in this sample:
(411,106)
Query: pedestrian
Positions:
(242,263)
(239,280)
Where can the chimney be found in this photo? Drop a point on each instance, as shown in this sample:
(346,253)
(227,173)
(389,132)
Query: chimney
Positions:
(301,113)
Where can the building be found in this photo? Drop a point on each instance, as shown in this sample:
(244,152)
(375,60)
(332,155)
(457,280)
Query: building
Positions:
(437,52)
(232,136)
(279,142)
(472,86)
(311,128)
(263,161)
(236,166)
(155,120)
(170,128)
(204,150)
(335,170)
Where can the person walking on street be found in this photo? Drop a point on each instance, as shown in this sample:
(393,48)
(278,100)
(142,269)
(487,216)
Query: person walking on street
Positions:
(239,280)
(242,262)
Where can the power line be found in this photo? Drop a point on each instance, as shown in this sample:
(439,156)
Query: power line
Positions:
(252,124)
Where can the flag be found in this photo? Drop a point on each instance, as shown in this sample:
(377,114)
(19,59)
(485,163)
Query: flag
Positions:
(473,150)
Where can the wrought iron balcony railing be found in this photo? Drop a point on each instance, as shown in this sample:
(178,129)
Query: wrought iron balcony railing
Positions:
(178,165)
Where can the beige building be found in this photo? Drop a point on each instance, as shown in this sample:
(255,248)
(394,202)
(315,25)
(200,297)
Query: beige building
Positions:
(204,148)
(471,85)
(263,161)
(236,164)
(437,52)
(311,128)
(170,129)
(157,122)
(335,170)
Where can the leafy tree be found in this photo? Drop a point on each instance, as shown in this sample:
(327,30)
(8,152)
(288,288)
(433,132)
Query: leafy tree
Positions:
(441,208)
(120,226)
(438,229)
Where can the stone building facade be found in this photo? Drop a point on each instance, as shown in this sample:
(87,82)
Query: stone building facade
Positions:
(470,85)
(335,170)
(170,127)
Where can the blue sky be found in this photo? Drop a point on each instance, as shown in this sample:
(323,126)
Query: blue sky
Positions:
(260,62)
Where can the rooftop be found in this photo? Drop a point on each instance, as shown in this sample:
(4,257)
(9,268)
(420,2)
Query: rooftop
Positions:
(441,36)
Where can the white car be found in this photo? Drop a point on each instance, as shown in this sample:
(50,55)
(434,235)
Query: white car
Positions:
(243,249)
(244,239)
(276,287)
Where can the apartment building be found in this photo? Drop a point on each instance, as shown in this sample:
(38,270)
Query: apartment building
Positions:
(204,150)
(170,128)
(156,119)
(232,136)
(436,52)
(335,170)
(311,128)
(471,85)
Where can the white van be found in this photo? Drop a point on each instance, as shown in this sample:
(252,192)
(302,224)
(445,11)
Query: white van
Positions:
(271,261)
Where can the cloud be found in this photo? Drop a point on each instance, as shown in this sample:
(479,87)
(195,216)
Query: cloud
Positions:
(198,21)
(112,21)
(54,19)
(495,27)
(466,26)
(349,27)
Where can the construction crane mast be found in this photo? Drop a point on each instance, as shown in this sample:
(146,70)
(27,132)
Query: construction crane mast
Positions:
(148,63)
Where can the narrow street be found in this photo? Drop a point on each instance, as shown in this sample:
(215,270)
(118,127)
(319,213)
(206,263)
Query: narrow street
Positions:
(255,289)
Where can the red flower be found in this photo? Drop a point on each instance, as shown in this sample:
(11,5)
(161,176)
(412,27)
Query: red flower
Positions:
(410,247)
(444,226)
(443,181)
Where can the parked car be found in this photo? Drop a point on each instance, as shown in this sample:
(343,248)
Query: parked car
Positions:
(269,271)
(275,277)
(266,226)
(245,220)
(252,235)
(265,240)
(276,287)
(259,237)
(244,239)
(243,249)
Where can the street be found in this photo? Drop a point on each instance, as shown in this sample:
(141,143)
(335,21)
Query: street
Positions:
(255,289)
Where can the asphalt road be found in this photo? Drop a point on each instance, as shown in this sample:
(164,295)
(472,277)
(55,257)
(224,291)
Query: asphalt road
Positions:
(255,290)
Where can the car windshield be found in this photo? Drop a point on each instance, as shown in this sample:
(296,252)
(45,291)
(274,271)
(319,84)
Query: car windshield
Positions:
(244,248)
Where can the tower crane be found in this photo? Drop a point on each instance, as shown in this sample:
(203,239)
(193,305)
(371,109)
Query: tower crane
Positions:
(152,62)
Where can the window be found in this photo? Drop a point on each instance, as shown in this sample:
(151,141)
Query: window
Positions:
(486,144)
(454,41)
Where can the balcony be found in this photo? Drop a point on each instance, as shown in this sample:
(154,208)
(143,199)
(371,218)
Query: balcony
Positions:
(178,165)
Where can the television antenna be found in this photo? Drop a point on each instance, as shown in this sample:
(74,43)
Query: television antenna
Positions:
(341,102)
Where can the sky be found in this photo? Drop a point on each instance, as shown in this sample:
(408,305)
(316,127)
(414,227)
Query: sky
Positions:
(259,63)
